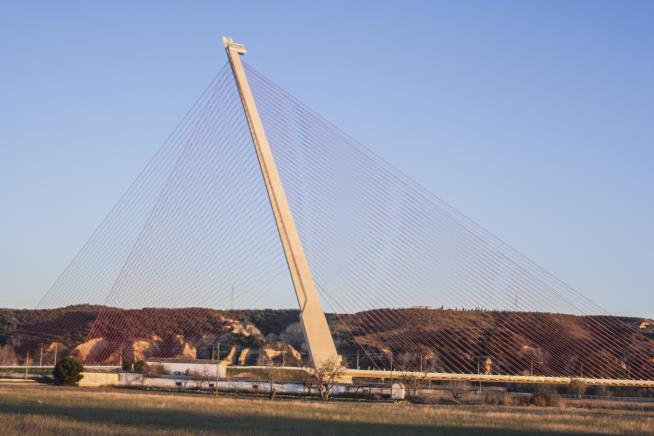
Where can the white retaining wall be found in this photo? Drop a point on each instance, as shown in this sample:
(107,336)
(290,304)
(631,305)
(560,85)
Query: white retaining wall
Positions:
(247,386)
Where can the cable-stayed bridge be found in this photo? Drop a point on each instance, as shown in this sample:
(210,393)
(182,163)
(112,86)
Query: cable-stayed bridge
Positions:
(256,201)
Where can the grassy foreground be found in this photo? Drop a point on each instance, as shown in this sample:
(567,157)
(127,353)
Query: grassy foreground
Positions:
(38,409)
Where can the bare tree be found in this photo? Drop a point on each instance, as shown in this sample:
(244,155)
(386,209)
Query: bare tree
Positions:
(417,361)
(8,356)
(407,361)
(577,388)
(202,377)
(323,378)
(458,389)
(416,368)
(414,380)
(272,374)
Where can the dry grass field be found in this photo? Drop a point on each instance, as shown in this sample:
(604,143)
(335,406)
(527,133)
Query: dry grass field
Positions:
(38,409)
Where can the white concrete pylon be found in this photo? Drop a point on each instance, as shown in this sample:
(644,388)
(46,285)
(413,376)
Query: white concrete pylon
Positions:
(314,324)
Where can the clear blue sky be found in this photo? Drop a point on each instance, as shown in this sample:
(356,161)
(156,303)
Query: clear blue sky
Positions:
(536,119)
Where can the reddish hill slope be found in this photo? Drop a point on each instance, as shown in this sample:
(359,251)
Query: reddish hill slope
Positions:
(440,340)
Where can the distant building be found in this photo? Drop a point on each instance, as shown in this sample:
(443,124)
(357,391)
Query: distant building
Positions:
(204,367)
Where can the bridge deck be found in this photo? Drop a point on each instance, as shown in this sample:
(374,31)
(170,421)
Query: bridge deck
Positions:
(441,376)
(487,378)
(497,378)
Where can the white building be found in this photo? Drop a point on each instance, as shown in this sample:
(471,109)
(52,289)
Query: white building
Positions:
(196,367)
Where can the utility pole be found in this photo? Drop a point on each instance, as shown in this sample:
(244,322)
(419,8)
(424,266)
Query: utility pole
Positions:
(55,354)
(314,324)
(391,372)
(479,374)
(41,356)
(357,359)
(217,366)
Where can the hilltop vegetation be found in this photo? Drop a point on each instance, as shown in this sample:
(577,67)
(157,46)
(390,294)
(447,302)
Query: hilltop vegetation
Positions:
(435,339)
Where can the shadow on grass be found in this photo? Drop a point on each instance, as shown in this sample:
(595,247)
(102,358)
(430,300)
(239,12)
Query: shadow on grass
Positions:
(192,422)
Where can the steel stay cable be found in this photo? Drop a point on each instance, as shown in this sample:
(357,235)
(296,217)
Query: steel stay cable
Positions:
(73,300)
(139,177)
(154,210)
(124,199)
(362,148)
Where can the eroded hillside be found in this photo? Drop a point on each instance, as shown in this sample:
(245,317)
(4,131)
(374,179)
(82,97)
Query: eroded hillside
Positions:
(433,339)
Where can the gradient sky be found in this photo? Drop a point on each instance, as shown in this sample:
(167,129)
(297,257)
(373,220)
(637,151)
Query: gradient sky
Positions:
(535,119)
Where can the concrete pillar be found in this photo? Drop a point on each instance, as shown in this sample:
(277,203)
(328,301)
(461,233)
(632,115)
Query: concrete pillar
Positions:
(314,324)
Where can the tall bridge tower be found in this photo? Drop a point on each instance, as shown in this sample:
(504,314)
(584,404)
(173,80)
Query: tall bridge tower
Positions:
(314,324)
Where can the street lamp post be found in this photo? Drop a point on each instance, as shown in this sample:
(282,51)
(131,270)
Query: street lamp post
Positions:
(479,374)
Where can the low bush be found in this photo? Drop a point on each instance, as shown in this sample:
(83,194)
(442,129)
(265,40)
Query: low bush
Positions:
(599,391)
(423,399)
(374,396)
(497,399)
(155,370)
(504,399)
(546,396)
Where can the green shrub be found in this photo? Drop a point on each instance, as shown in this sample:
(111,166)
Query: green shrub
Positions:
(134,365)
(67,371)
(127,364)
